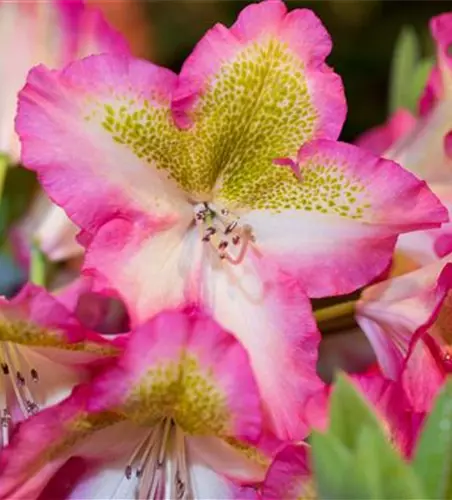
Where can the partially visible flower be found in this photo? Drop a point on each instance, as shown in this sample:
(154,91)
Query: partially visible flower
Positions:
(48,226)
(176,417)
(173,181)
(398,315)
(53,33)
(425,149)
(289,477)
(44,352)
(380,139)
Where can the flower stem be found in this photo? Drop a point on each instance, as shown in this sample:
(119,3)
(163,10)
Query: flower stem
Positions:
(4,164)
(336,317)
(37,265)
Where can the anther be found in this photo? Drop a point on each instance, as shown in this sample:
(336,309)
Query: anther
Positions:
(222,245)
(34,375)
(210,231)
(224,211)
(231,227)
(5,369)
(20,379)
(128,472)
(236,239)
(32,408)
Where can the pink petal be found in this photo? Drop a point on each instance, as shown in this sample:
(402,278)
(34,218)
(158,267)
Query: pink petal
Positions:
(379,139)
(258,90)
(269,313)
(440,77)
(289,476)
(66,121)
(47,429)
(210,456)
(151,271)
(54,33)
(425,150)
(394,312)
(335,231)
(169,338)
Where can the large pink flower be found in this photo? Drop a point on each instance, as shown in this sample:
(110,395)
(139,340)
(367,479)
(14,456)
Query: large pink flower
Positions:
(44,352)
(174,183)
(176,417)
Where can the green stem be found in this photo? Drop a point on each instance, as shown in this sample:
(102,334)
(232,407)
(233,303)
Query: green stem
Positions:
(37,265)
(337,317)
(4,164)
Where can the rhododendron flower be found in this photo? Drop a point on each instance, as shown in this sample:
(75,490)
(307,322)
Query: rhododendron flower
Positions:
(176,417)
(425,147)
(397,315)
(427,150)
(53,33)
(179,186)
(44,352)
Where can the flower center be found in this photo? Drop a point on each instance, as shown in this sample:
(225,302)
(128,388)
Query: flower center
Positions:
(223,231)
(159,463)
(17,378)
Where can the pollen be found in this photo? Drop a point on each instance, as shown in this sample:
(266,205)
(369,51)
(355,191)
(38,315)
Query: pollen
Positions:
(184,392)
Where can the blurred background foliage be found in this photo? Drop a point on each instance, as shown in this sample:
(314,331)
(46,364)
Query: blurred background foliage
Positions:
(364,34)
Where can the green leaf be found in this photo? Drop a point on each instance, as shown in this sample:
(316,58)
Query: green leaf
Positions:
(433,458)
(332,465)
(404,63)
(350,412)
(418,81)
(383,471)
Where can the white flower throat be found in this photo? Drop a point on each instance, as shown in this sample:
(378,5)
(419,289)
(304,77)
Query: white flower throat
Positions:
(224,232)
(17,378)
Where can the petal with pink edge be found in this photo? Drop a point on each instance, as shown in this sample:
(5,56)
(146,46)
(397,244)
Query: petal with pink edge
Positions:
(393,313)
(53,33)
(438,86)
(379,139)
(150,271)
(336,229)
(198,372)
(257,91)
(271,316)
(101,137)
(289,475)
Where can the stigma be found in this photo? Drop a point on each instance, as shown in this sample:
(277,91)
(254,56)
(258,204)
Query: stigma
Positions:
(18,380)
(223,231)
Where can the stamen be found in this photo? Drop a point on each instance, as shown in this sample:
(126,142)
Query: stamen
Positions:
(5,422)
(223,231)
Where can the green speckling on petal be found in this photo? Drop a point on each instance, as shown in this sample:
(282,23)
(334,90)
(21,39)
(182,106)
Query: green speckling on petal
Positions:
(29,334)
(325,188)
(255,108)
(181,390)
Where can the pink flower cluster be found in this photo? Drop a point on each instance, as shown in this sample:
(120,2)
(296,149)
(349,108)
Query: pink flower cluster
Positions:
(214,204)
